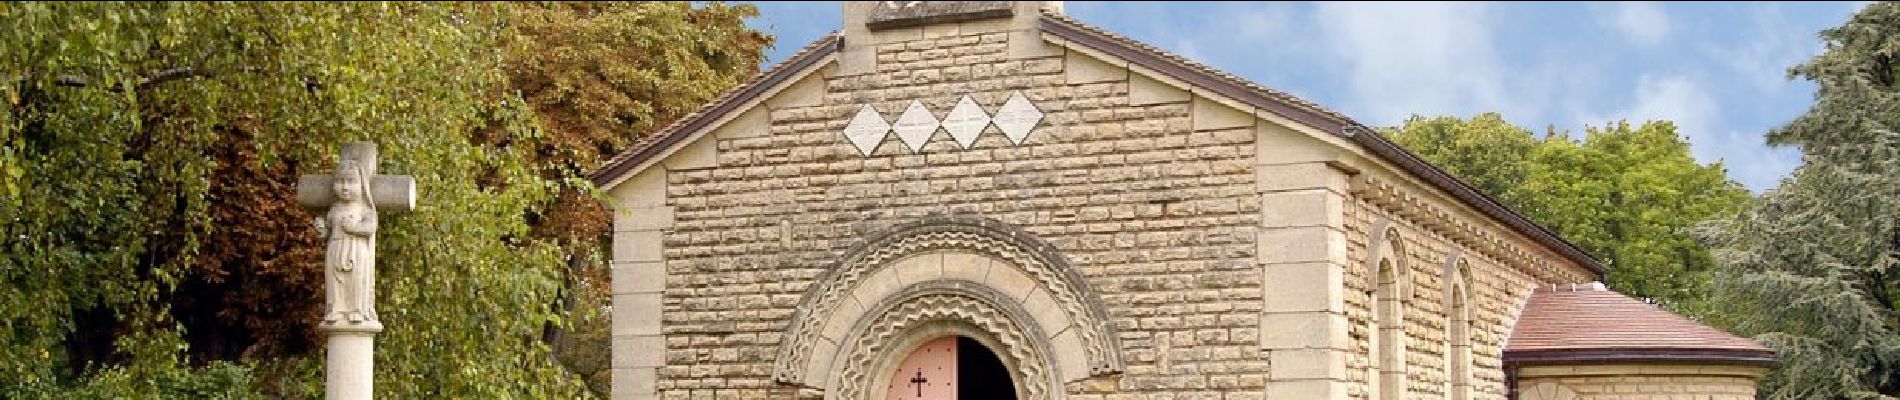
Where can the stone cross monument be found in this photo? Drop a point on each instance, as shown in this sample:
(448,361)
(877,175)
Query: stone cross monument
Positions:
(349,200)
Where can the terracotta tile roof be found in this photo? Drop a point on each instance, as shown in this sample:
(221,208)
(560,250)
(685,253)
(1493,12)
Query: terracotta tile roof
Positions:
(1585,323)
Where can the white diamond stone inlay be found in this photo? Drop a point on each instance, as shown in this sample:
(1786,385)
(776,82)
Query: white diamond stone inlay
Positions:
(966,121)
(1017,117)
(915,126)
(866,130)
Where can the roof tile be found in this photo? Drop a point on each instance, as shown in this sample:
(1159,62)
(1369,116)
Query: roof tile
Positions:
(1589,319)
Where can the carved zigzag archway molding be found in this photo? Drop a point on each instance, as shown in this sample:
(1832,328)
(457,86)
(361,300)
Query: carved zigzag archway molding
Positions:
(1058,315)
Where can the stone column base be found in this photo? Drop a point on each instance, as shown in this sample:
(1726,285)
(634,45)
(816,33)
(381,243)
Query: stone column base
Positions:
(350,364)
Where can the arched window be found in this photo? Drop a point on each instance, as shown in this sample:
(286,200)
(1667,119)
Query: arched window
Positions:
(1388,340)
(1458,331)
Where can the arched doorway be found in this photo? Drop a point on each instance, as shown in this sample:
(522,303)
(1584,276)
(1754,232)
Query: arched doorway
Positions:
(951,367)
(942,277)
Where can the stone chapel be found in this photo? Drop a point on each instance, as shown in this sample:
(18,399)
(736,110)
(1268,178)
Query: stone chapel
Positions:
(991,200)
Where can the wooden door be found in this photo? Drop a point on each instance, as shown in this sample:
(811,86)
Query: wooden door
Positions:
(928,373)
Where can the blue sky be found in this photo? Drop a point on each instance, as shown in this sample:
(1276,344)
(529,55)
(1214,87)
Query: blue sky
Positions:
(1719,70)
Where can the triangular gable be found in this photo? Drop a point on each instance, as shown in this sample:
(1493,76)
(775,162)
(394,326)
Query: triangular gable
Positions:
(1281,106)
(1208,82)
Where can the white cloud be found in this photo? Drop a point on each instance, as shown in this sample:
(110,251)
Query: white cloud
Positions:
(1762,59)
(1644,23)
(1677,99)
(1406,58)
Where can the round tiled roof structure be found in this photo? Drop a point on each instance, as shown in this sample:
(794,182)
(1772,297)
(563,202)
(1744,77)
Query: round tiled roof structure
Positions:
(1587,323)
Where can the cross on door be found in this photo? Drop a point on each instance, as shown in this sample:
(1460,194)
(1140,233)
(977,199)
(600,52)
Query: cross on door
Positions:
(919,382)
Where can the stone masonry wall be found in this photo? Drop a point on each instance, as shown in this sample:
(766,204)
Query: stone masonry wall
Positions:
(1639,382)
(1230,257)
(1496,295)
(1156,214)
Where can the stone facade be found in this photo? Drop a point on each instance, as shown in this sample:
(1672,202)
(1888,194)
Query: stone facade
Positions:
(1148,236)
(1639,382)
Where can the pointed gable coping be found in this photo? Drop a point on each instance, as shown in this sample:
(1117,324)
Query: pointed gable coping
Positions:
(727,106)
(1136,54)
(1310,116)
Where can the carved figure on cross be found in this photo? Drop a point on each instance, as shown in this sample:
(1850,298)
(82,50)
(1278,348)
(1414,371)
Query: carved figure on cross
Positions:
(350,199)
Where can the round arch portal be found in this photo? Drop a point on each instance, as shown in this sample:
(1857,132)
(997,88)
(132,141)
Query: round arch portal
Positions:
(981,278)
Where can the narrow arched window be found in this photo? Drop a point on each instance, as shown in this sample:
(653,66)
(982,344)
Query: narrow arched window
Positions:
(1388,339)
(1458,332)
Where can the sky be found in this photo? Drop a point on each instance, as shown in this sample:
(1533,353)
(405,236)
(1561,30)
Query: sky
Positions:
(1718,70)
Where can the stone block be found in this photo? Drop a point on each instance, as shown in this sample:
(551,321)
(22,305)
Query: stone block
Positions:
(1028,43)
(1144,90)
(1070,356)
(639,351)
(639,277)
(642,190)
(1301,244)
(894,35)
(636,314)
(857,60)
(843,317)
(702,153)
(637,246)
(631,382)
(755,122)
(922,268)
(818,368)
(1306,389)
(981,26)
(1302,208)
(1304,330)
(1049,316)
(1545,370)
(1304,287)
(1210,115)
(1300,176)
(1011,281)
(643,218)
(809,91)
(966,266)
(1275,144)
(1080,68)
(873,289)
(1305,364)
(933,31)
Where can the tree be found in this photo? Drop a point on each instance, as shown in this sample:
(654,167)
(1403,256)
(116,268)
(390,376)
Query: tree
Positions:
(1809,268)
(146,152)
(1626,195)
(149,154)
(600,76)
(1485,151)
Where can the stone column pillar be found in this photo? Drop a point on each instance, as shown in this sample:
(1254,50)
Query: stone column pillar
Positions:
(1303,256)
(349,201)
(350,361)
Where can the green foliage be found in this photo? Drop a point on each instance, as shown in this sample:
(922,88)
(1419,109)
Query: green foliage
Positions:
(1627,195)
(1809,268)
(113,120)
(599,76)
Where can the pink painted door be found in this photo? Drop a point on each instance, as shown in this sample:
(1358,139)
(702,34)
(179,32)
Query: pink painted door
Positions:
(929,373)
